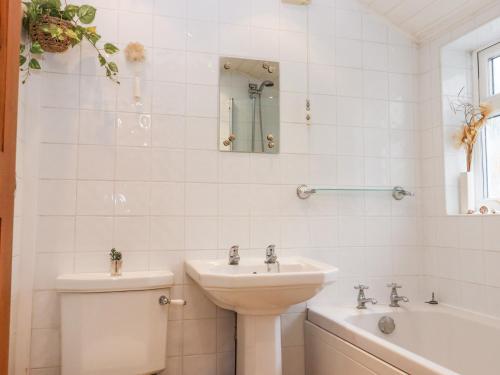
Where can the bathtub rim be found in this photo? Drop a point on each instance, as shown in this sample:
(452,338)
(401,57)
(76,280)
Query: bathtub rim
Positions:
(333,319)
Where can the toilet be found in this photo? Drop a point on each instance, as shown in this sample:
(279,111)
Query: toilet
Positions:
(114,325)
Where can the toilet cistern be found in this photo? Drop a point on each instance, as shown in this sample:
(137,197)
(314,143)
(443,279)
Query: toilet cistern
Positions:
(114,325)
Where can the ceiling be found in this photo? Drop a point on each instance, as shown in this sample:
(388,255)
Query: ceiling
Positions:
(423,19)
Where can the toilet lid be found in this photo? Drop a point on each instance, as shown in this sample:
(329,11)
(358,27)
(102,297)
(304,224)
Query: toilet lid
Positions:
(104,282)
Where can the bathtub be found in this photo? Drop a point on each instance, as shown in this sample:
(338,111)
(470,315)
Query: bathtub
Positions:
(428,340)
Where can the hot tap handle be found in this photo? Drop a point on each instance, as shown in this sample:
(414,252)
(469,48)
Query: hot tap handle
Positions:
(361,287)
(271,249)
(394,286)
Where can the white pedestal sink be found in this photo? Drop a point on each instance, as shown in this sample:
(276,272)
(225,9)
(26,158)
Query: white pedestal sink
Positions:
(259,295)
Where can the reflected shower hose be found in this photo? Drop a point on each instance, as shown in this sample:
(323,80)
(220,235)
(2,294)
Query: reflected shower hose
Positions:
(260,121)
(253,123)
(253,92)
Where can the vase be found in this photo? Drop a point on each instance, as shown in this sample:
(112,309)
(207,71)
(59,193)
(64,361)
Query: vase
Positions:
(116,268)
(466,186)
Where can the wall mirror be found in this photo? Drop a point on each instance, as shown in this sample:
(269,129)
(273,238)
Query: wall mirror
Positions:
(249,105)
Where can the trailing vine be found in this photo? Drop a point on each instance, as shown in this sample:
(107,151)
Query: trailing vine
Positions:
(52,27)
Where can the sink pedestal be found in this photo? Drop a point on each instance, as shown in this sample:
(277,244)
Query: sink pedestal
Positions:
(258,345)
(259,297)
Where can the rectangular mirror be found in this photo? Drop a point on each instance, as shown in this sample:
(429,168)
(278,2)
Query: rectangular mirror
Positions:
(249,105)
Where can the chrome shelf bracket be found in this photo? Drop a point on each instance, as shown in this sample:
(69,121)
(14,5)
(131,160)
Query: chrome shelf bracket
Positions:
(304,191)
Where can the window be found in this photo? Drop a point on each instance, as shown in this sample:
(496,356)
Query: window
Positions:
(487,165)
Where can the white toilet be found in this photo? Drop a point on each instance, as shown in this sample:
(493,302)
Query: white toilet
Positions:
(114,325)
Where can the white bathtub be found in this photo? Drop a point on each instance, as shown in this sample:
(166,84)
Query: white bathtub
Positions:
(428,340)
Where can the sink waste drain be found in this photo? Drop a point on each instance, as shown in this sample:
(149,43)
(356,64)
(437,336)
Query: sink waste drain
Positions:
(386,325)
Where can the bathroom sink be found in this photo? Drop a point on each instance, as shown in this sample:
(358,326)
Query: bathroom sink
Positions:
(259,293)
(255,288)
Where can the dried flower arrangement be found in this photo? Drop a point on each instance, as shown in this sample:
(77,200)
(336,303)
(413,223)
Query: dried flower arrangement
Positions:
(52,27)
(135,52)
(475,119)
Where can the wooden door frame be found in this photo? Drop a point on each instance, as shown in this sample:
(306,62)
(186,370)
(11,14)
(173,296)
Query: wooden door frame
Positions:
(10,29)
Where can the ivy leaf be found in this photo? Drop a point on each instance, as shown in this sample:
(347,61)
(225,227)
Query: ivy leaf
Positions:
(34,64)
(54,30)
(72,34)
(53,3)
(110,48)
(22,48)
(22,60)
(36,48)
(50,6)
(86,14)
(101,59)
(93,37)
(70,11)
(79,32)
(113,67)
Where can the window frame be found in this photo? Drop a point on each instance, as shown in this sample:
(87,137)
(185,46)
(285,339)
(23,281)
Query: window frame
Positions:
(482,93)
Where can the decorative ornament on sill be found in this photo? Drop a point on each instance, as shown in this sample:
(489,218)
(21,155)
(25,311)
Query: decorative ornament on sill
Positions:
(475,118)
(52,27)
(483,210)
(115,258)
(136,55)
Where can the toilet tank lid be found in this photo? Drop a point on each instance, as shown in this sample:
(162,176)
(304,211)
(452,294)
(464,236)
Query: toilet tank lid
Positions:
(104,282)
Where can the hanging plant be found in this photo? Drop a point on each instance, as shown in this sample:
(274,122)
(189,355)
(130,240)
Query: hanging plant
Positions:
(52,27)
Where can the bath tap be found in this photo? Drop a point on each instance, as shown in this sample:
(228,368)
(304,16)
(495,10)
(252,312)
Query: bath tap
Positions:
(395,298)
(362,300)
(234,256)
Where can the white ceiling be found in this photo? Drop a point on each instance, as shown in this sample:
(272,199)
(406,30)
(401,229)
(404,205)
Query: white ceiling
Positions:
(424,19)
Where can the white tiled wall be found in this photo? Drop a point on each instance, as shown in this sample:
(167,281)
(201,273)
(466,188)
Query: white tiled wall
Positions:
(461,251)
(149,180)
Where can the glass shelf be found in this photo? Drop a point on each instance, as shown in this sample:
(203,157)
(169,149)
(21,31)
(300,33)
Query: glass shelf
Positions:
(398,192)
(318,189)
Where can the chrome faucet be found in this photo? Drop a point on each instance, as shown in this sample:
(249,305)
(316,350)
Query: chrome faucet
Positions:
(362,300)
(234,255)
(395,298)
(271,257)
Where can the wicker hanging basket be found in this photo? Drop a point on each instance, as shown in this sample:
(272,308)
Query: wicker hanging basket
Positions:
(48,43)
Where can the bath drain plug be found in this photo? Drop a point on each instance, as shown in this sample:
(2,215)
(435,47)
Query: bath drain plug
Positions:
(386,325)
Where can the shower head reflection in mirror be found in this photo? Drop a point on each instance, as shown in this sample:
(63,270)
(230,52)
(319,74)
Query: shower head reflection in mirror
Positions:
(249,105)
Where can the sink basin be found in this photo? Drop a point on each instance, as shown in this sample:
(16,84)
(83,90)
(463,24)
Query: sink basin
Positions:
(259,293)
(254,288)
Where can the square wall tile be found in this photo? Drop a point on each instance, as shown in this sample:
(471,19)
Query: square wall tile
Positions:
(96,162)
(95,198)
(94,233)
(56,197)
(55,234)
(57,161)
